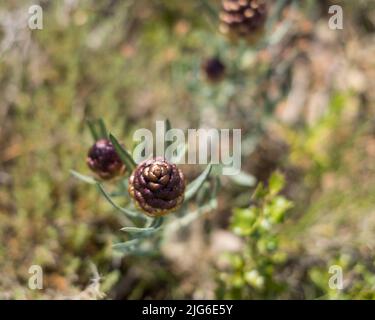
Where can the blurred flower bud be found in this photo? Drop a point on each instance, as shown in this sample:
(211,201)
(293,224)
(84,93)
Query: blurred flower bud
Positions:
(104,161)
(214,69)
(243,19)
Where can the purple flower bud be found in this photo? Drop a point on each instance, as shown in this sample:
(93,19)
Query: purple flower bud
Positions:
(104,161)
(157,186)
(213,69)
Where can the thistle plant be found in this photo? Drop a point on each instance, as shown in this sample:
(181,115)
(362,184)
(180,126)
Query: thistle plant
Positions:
(154,189)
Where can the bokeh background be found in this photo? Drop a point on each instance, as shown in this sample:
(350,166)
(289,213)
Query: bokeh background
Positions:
(303,97)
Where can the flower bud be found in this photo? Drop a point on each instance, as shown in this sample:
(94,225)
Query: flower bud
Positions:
(157,187)
(104,161)
(213,69)
(243,19)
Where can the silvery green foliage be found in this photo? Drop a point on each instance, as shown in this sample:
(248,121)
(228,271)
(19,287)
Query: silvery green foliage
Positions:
(145,234)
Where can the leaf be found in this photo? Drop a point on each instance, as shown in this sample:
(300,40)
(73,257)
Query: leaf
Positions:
(195,185)
(139,231)
(127,246)
(97,129)
(129,213)
(243,179)
(124,155)
(95,135)
(276,183)
(278,207)
(243,220)
(82,177)
(260,192)
(157,222)
(215,188)
(203,193)
(103,130)
(190,217)
(217,170)
(155,225)
(133,247)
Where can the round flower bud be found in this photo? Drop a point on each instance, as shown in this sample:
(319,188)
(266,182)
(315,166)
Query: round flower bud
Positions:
(213,69)
(157,186)
(104,161)
(243,19)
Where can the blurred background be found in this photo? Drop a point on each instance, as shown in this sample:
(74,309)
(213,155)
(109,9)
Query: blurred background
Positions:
(302,95)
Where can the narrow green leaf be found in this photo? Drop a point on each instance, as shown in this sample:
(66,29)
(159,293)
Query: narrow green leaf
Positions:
(190,217)
(125,156)
(129,213)
(97,129)
(142,232)
(136,230)
(82,177)
(215,188)
(139,231)
(126,247)
(217,170)
(195,185)
(95,135)
(203,193)
(243,179)
(157,223)
(133,247)
(102,129)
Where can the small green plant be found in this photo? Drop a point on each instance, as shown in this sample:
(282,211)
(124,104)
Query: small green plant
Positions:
(148,215)
(250,274)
